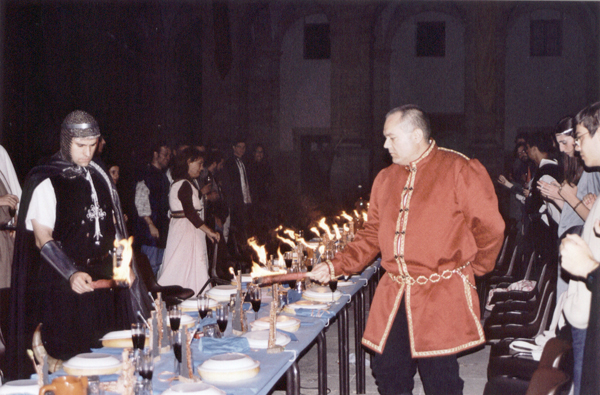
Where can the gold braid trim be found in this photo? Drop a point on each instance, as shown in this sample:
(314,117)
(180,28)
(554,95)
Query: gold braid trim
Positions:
(331,269)
(454,152)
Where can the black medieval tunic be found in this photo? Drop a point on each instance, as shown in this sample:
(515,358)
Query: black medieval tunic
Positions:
(72,323)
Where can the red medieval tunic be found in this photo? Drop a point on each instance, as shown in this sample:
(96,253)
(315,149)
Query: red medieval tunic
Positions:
(436,223)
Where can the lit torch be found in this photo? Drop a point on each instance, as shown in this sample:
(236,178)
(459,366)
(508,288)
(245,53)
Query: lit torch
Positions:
(121,266)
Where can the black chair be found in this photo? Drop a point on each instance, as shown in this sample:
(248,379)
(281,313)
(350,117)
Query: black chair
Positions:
(502,301)
(528,329)
(171,294)
(519,374)
(217,250)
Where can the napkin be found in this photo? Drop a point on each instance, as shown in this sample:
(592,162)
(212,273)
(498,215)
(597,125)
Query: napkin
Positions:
(315,313)
(209,345)
(108,350)
(293,296)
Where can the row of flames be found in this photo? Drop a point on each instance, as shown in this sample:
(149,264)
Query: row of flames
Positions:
(289,237)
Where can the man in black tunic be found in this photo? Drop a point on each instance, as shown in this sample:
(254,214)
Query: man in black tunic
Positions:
(68,220)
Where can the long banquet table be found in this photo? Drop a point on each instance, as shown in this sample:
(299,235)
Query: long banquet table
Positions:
(273,366)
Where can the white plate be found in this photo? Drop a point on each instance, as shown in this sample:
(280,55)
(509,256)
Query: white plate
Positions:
(88,364)
(186,320)
(193,389)
(20,387)
(125,334)
(222,293)
(92,361)
(260,339)
(229,362)
(307,304)
(192,304)
(229,368)
(345,283)
(284,322)
(321,294)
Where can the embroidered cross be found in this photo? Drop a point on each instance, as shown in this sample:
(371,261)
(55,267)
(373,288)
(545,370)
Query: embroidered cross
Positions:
(96,213)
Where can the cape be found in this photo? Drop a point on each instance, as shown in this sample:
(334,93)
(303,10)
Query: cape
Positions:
(26,265)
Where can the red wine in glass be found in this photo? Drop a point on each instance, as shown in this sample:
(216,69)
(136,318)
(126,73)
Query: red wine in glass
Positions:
(222,324)
(177,351)
(175,323)
(139,339)
(203,311)
(333,286)
(255,305)
(146,373)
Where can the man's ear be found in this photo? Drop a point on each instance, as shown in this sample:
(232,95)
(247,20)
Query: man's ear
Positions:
(418,135)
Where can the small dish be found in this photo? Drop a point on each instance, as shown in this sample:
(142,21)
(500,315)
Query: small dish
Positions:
(228,368)
(192,304)
(193,389)
(20,387)
(260,339)
(284,322)
(89,364)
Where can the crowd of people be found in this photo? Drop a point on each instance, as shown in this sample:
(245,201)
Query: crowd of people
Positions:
(425,309)
(554,184)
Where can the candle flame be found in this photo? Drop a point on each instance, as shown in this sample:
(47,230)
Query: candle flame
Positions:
(278,228)
(260,271)
(301,240)
(324,226)
(349,218)
(338,235)
(286,241)
(280,257)
(346,228)
(290,233)
(260,250)
(356,214)
(315,231)
(321,249)
(364,214)
(122,272)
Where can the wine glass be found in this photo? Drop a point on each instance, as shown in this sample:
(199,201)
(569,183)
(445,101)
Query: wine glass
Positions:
(175,317)
(287,258)
(176,343)
(203,306)
(138,335)
(146,368)
(255,297)
(222,316)
(333,283)
(309,263)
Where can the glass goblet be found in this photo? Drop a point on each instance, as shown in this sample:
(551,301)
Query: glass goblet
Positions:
(255,299)
(175,317)
(203,306)
(222,316)
(176,344)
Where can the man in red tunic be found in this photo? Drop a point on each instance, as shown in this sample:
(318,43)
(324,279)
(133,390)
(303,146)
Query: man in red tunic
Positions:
(434,218)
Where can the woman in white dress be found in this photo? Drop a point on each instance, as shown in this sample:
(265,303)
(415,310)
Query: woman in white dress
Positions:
(185,261)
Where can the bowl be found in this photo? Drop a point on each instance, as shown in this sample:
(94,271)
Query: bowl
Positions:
(119,339)
(193,389)
(260,339)
(20,387)
(222,293)
(192,304)
(89,364)
(228,368)
(321,294)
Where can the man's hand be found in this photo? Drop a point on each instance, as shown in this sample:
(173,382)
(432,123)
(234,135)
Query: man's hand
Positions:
(80,282)
(320,273)
(577,257)
(502,180)
(9,200)
(549,190)
(153,231)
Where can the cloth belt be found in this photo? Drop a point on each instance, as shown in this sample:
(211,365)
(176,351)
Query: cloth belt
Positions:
(403,279)
(181,214)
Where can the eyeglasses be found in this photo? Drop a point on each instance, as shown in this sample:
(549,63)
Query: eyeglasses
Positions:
(578,138)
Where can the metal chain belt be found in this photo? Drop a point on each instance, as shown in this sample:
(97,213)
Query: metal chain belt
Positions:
(434,278)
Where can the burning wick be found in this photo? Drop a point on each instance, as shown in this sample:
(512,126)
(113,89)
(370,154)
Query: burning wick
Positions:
(122,255)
